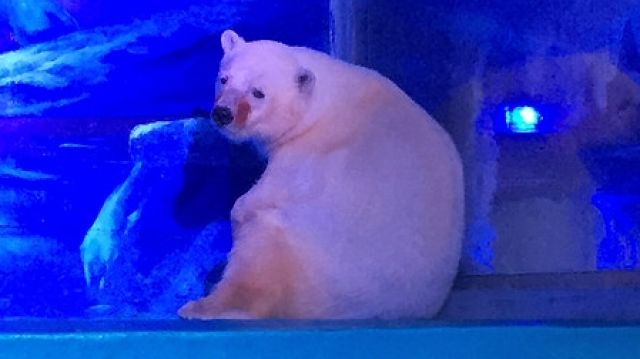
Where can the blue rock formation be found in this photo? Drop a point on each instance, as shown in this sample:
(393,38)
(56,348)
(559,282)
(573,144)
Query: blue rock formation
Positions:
(162,236)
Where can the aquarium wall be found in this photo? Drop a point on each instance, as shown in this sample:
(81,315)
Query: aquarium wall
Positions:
(115,188)
(543,101)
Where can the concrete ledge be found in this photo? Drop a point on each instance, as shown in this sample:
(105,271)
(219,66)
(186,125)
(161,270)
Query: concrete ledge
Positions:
(595,296)
(174,339)
(585,315)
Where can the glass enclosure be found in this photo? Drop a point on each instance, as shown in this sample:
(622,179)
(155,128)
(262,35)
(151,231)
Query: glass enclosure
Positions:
(115,187)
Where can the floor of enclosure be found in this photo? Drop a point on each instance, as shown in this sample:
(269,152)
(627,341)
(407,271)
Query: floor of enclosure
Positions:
(586,315)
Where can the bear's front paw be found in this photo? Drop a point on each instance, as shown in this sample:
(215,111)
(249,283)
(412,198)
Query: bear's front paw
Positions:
(201,310)
(194,309)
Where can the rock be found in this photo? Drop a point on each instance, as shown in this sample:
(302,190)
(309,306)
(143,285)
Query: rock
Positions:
(167,225)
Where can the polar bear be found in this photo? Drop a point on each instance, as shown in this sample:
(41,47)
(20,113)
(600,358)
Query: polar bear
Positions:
(359,213)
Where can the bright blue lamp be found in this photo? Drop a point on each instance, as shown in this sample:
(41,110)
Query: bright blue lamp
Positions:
(522,119)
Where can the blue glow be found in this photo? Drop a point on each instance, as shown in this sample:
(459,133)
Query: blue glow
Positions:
(75,78)
(522,119)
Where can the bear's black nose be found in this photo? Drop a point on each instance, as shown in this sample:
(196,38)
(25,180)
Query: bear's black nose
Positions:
(222,116)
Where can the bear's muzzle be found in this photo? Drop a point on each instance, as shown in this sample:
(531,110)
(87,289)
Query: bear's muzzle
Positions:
(222,115)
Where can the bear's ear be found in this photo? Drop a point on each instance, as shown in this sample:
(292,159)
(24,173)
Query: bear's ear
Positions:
(306,81)
(230,40)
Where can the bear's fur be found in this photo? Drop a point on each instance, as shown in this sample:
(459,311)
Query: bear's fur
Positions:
(359,213)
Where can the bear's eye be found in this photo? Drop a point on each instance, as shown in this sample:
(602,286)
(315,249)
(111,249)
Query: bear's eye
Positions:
(258,94)
(224,79)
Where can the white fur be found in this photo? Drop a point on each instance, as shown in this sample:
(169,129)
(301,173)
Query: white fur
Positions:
(366,187)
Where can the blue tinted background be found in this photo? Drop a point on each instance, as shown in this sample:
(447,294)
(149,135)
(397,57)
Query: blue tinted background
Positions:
(75,78)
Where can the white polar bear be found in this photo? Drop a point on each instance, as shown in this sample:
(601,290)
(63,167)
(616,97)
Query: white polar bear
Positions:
(359,213)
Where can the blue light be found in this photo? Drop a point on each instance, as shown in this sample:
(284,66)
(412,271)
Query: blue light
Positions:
(522,119)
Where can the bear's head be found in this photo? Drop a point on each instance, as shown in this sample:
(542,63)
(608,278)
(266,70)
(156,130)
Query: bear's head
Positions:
(262,92)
